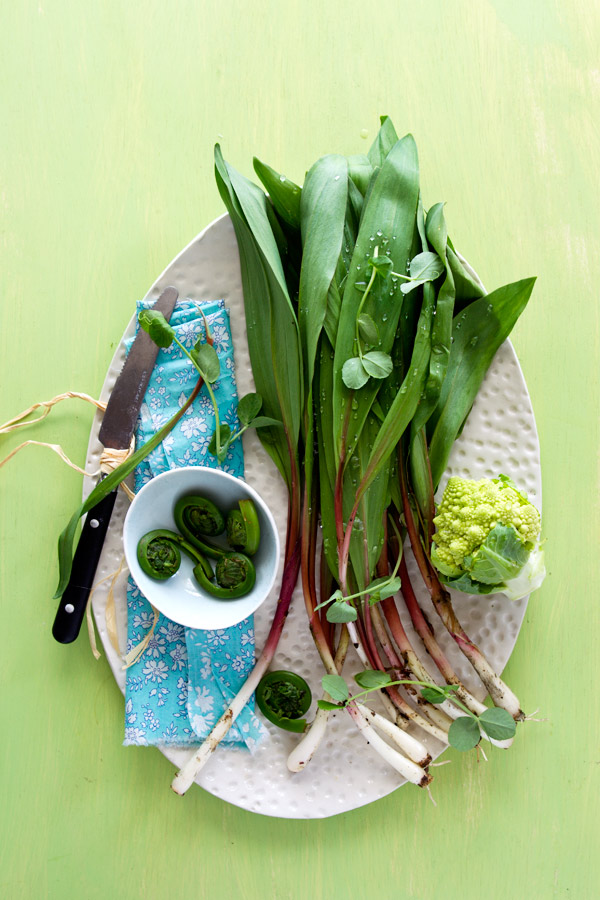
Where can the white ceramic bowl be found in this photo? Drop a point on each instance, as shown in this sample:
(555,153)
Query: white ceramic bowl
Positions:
(181,598)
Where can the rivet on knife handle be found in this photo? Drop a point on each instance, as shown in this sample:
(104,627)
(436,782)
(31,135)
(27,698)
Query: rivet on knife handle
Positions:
(73,602)
(117,428)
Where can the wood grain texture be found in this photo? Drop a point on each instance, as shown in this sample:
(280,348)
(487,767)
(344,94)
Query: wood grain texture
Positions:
(111,111)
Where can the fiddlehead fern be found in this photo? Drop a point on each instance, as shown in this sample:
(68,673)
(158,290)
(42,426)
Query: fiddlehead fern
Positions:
(159,554)
(234,577)
(243,529)
(198,518)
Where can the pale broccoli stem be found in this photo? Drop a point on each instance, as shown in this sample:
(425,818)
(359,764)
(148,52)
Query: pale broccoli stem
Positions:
(500,693)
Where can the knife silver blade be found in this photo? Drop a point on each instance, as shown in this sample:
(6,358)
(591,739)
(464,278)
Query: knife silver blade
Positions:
(117,429)
(126,398)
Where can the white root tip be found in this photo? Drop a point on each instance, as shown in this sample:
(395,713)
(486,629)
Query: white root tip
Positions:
(404,766)
(180,785)
(308,745)
(531,717)
(409,745)
(500,693)
(184,779)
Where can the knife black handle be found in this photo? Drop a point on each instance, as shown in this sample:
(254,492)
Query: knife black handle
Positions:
(74,600)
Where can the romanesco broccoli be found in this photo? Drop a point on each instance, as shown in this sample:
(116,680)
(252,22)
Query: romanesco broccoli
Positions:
(487,537)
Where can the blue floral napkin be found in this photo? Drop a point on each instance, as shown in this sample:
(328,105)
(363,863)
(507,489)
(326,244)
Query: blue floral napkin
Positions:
(185,678)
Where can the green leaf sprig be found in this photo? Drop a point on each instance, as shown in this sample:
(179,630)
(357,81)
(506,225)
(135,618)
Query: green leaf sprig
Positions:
(206,361)
(203,357)
(340,608)
(357,370)
(424,267)
(464,733)
(248,414)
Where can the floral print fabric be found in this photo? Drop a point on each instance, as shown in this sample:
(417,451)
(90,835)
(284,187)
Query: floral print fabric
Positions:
(180,686)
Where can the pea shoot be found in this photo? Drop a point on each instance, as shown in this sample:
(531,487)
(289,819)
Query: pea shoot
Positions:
(464,733)
(205,360)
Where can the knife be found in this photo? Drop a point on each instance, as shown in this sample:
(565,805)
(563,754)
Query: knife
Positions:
(116,431)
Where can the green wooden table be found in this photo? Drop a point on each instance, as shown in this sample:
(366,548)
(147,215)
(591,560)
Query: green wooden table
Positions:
(110,114)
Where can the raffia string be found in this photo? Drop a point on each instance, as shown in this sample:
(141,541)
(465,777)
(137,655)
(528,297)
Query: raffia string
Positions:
(110,458)
(137,652)
(47,405)
(109,613)
(91,630)
(57,449)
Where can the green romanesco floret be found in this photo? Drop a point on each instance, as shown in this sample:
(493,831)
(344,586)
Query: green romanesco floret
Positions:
(469,510)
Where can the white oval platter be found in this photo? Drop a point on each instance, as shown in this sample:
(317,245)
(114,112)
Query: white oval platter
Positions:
(500,436)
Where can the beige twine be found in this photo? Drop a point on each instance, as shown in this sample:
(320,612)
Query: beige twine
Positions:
(15,423)
(137,652)
(109,460)
(109,613)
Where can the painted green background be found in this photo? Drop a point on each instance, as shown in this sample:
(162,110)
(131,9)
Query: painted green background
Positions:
(110,112)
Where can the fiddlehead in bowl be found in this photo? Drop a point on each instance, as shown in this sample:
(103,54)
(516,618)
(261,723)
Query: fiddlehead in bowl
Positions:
(234,577)
(158,554)
(198,518)
(243,529)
